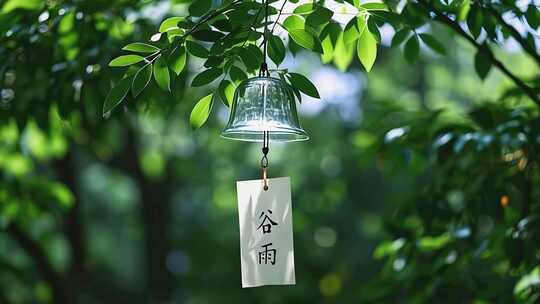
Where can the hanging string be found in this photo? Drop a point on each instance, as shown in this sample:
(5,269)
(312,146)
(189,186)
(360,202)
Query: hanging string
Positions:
(264,160)
(264,72)
(264,66)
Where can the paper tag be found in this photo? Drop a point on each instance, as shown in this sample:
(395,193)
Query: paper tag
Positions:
(266,234)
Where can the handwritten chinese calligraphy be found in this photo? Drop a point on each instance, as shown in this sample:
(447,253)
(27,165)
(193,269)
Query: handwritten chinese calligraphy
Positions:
(266,234)
(267,228)
(267,255)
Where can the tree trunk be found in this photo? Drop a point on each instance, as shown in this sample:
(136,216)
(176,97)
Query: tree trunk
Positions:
(154,208)
(73,226)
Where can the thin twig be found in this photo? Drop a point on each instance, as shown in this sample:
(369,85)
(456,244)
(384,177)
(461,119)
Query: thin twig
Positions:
(484,49)
(210,17)
(516,35)
(206,19)
(278,16)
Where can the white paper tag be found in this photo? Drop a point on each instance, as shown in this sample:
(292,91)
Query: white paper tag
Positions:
(266,234)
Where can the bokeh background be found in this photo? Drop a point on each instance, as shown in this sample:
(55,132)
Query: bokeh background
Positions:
(420,183)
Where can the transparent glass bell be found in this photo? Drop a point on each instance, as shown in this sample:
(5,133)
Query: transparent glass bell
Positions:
(264,104)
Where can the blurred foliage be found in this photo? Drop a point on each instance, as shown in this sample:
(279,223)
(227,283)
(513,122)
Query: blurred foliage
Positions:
(471,218)
(428,194)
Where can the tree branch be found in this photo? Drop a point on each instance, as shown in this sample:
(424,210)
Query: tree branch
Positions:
(278,16)
(154,211)
(204,20)
(210,17)
(516,35)
(484,49)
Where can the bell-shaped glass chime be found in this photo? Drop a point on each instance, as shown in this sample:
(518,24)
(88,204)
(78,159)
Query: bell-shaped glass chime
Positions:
(264,105)
(264,110)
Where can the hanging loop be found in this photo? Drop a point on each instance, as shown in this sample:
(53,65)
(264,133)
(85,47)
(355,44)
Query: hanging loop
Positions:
(264,159)
(263,70)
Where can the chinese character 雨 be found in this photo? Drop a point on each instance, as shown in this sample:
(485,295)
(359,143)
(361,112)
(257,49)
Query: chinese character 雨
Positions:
(267,255)
(266,223)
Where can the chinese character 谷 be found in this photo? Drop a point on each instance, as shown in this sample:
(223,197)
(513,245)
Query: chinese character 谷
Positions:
(267,255)
(267,227)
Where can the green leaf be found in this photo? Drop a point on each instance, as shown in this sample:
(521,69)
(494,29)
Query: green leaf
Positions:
(527,284)
(387,248)
(61,194)
(213,61)
(200,7)
(293,22)
(303,84)
(255,53)
(67,22)
(319,17)
(141,48)
(11,5)
(429,243)
(367,50)
(173,33)
(177,59)
(170,24)
(116,95)
(355,3)
(196,49)
(207,35)
(343,54)
(372,27)
(328,51)
(391,18)
(533,16)
(329,37)
(237,75)
(475,19)
(412,49)
(304,8)
(248,58)
(400,36)
(296,93)
(206,77)
(293,47)
(351,32)
(223,23)
(276,49)
(361,24)
(141,79)
(201,111)
(374,6)
(433,43)
(226,92)
(482,65)
(306,40)
(293,89)
(161,74)
(125,60)
(463,9)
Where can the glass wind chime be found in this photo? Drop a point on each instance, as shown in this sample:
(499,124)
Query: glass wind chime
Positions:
(264,110)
